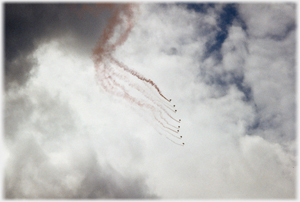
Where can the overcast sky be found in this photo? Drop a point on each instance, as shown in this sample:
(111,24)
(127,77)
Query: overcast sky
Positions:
(87,111)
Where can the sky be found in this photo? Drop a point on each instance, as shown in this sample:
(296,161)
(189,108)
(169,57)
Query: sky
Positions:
(149,101)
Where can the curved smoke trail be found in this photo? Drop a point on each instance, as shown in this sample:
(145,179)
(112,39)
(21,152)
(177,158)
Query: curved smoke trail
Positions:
(114,81)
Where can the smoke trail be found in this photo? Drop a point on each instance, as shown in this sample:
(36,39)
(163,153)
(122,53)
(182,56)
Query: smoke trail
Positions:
(134,73)
(137,87)
(126,96)
(139,103)
(182,144)
(122,16)
(175,142)
(103,48)
(173,135)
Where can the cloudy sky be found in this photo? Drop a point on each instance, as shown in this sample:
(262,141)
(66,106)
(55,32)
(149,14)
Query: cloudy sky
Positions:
(87,111)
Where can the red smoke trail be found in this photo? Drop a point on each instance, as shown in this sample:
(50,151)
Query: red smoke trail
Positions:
(158,97)
(141,104)
(168,129)
(175,142)
(164,125)
(166,122)
(104,49)
(171,139)
(122,16)
(126,96)
(180,137)
(134,73)
(100,80)
(128,13)
(169,107)
(158,104)
(167,104)
(145,94)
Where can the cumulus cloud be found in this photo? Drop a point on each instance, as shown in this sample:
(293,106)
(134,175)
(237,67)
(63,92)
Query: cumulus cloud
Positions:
(229,68)
(270,20)
(227,97)
(29,25)
(270,69)
(51,157)
(47,153)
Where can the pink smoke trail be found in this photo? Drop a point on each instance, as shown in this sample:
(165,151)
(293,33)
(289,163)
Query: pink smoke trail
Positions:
(122,16)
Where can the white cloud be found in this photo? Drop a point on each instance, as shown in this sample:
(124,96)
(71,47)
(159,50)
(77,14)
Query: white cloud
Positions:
(270,70)
(268,20)
(64,130)
(215,116)
(61,118)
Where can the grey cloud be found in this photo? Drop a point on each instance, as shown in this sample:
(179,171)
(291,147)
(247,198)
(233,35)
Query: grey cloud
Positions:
(18,70)
(270,60)
(240,140)
(251,94)
(39,126)
(50,157)
(37,111)
(31,174)
(28,25)
(17,109)
(269,20)
(252,59)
